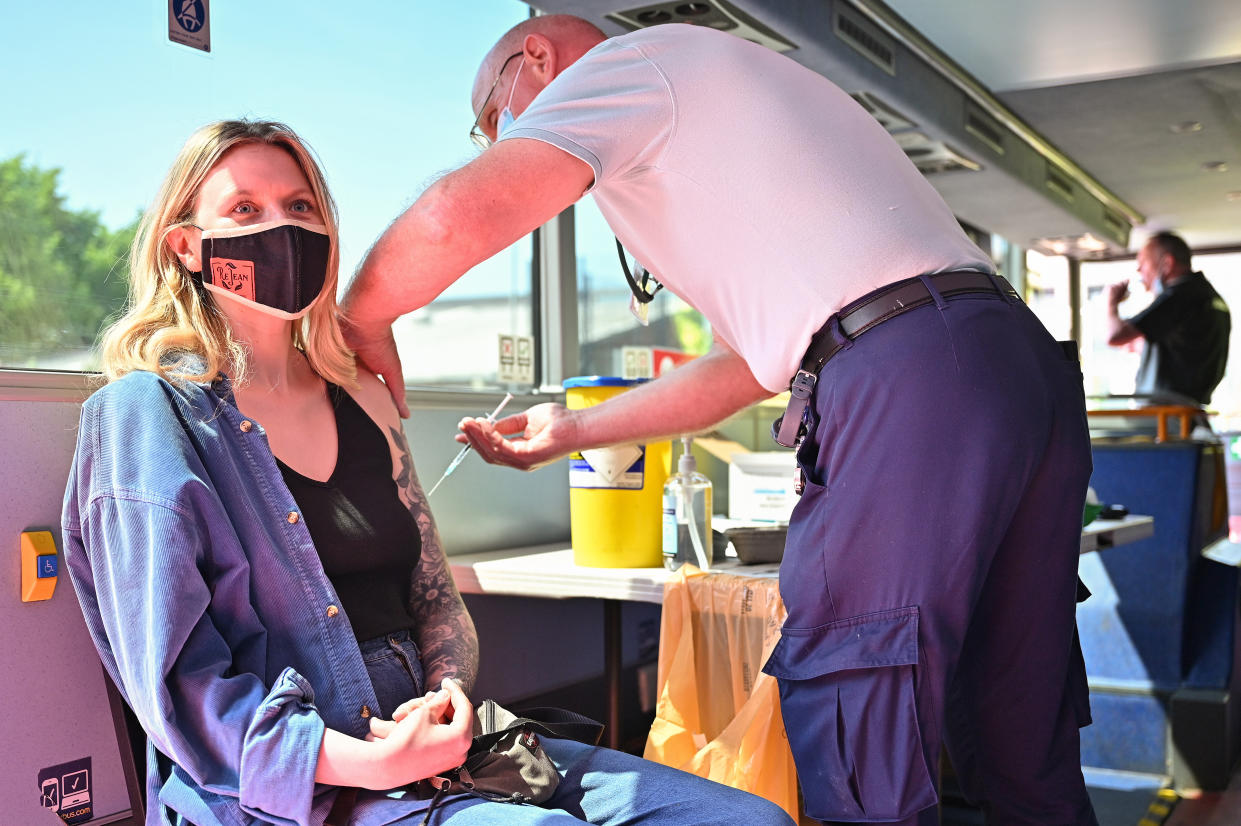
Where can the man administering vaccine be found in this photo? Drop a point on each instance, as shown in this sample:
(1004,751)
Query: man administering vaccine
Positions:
(931,564)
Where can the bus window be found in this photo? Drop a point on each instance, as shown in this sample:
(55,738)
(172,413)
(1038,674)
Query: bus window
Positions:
(1047,292)
(1111,370)
(382,96)
(607,330)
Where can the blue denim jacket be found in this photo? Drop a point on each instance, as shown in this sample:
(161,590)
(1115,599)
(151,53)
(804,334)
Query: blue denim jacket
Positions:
(210,608)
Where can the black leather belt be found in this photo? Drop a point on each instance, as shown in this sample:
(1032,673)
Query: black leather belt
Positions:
(862,315)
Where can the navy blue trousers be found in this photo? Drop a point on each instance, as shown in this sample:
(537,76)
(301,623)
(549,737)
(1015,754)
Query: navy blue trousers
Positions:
(931,569)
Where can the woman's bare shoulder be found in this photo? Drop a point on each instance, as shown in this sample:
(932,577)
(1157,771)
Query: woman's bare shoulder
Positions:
(372,394)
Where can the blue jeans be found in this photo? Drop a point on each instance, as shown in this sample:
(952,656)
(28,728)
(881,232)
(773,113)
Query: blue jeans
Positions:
(598,786)
(395,669)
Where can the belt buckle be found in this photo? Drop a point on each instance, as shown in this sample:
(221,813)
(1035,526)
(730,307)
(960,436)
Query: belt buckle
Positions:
(789,426)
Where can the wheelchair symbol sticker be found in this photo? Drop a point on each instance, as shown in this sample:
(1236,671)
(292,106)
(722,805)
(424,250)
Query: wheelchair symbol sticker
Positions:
(66,790)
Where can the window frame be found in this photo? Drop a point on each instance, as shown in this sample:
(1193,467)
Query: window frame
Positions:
(554,322)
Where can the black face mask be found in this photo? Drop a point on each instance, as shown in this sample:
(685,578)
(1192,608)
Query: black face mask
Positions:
(278,267)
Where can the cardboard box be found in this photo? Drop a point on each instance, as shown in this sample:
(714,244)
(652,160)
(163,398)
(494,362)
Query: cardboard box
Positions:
(760,486)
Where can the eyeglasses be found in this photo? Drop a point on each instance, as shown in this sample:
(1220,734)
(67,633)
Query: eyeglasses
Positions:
(476,133)
(642,284)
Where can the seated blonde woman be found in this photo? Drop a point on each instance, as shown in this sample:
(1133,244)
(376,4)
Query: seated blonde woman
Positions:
(254,555)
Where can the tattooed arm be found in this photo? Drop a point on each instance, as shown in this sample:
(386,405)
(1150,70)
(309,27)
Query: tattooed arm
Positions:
(443,630)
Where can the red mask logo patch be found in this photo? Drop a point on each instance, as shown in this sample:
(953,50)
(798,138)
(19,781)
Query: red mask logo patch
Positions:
(235,276)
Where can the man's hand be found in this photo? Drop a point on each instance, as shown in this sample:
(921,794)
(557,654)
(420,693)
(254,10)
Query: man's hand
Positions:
(376,349)
(1117,293)
(542,434)
(689,399)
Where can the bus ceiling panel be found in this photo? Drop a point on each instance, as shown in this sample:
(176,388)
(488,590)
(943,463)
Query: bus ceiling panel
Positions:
(1168,140)
(989,156)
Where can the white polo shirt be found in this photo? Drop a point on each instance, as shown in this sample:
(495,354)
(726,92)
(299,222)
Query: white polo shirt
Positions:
(754,188)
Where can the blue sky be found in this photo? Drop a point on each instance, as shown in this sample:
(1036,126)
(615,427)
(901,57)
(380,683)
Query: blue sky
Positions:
(380,90)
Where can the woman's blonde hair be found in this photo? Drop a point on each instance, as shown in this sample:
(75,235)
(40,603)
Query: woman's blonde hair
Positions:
(168,315)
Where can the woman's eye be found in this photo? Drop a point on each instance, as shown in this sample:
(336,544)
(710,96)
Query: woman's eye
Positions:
(244,209)
(303,206)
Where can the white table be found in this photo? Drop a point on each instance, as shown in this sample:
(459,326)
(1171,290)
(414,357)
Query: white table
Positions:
(1108,533)
(549,571)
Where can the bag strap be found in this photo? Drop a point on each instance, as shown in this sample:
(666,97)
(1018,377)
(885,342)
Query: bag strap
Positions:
(548,721)
(560,722)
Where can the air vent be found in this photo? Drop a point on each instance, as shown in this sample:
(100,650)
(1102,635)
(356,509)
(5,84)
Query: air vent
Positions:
(933,157)
(1058,183)
(1116,226)
(864,37)
(984,127)
(888,118)
(716,14)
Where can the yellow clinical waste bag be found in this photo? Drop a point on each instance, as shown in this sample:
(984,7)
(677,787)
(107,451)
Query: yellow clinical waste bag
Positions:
(718,715)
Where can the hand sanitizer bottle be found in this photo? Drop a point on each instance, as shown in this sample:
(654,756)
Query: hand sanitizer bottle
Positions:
(687,514)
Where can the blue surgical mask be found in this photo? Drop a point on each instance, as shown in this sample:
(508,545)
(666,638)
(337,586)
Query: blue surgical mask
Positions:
(506,118)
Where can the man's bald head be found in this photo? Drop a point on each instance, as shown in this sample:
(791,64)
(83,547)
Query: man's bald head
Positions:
(567,37)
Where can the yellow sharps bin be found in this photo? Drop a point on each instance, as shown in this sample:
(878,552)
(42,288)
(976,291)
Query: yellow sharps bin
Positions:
(615,493)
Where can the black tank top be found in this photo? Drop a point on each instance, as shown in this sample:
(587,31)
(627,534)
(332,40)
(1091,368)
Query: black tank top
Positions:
(366,537)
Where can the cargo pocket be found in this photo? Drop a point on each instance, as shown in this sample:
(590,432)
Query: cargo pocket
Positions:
(847,696)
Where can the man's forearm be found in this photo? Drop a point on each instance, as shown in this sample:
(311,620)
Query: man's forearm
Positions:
(462,219)
(690,399)
(1114,321)
(405,269)
(1119,331)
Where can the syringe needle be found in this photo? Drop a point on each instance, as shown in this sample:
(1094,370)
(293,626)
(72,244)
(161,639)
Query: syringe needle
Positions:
(461,455)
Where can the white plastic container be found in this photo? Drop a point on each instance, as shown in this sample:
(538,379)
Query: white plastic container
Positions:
(760,486)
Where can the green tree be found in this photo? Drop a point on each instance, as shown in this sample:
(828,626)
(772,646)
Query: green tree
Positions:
(692,331)
(62,272)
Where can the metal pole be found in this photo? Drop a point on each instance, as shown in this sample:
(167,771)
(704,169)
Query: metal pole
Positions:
(612,668)
(1075,301)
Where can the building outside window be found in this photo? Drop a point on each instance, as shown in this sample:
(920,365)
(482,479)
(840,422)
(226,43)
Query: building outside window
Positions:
(606,327)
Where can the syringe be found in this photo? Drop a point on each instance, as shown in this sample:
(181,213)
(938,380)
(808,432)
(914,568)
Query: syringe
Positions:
(461,456)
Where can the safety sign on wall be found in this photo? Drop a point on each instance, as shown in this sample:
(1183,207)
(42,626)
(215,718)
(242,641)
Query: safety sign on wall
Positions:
(516,359)
(65,789)
(189,23)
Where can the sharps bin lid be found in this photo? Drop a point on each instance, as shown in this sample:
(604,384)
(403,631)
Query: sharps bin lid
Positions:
(599,381)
